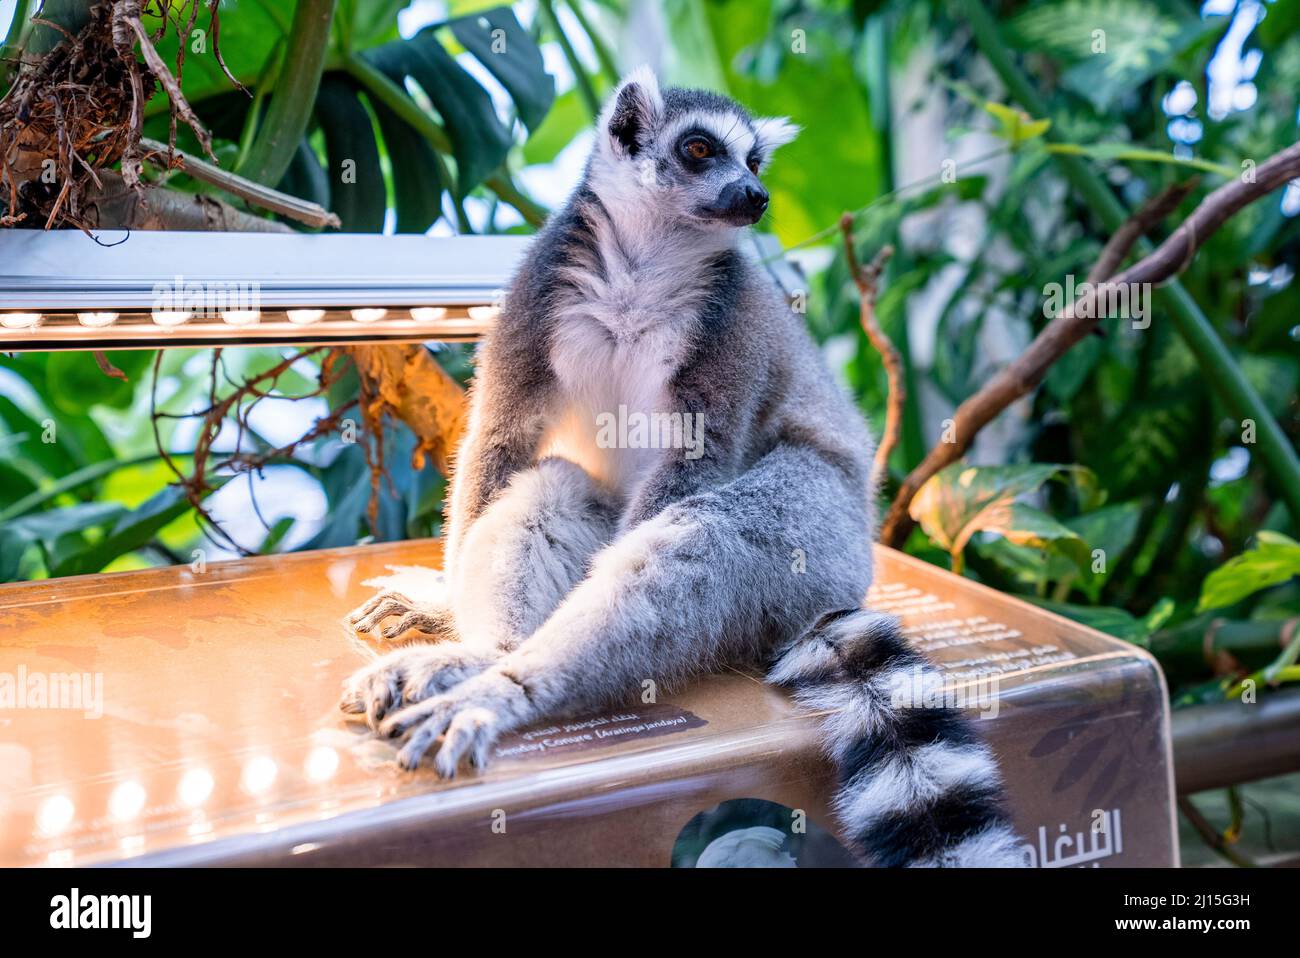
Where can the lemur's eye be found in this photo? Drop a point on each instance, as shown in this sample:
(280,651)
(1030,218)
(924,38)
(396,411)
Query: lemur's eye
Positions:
(698,148)
(752,163)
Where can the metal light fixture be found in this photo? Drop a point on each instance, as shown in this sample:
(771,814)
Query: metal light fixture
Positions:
(67,290)
(116,290)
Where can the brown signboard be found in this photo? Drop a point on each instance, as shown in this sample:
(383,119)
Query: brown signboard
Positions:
(187,716)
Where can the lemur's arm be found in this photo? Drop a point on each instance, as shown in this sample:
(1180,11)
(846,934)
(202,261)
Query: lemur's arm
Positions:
(717,417)
(509,403)
(674,478)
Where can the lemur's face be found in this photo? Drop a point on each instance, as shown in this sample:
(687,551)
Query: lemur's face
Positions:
(689,153)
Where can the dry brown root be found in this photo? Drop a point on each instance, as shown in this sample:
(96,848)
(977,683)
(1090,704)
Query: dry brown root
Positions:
(78,111)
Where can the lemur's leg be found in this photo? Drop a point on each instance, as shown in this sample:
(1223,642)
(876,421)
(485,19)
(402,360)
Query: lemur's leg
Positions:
(500,441)
(473,486)
(526,552)
(518,562)
(717,577)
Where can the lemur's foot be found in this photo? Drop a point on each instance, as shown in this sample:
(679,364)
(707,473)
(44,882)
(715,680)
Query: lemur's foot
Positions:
(470,718)
(429,619)
(409,675)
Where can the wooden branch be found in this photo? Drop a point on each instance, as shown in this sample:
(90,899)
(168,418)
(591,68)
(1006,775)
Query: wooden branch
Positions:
(118,206)
(301,210)
(867,279)
(410,385)
(1118,246)
(107,368)
(1075,322)
(214,31)
(1210,835)
(1220,370)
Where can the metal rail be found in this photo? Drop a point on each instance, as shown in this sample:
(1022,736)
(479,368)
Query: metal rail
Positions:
(1228,744)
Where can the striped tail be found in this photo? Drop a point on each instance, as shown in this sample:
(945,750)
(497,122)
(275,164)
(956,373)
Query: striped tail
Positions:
(917,787)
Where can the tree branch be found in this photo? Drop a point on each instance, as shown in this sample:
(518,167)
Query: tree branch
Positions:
(1079,319)
(1135,227)
(867,279)
(1210,835)
(301,210)
(115,205)
(408,383)
(128,30)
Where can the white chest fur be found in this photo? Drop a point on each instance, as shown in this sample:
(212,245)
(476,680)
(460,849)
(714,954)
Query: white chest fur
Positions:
(620,336)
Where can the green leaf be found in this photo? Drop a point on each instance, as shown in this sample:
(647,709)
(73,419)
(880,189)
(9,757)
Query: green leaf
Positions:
(375,21)
(1276,377)
(1103,79)
(347,485)
(498,42)
(1071,371)
(961,500)
(83,476)
(77,384)
(48,527)
(1029,570)
(132,530)
(13,547)
(32,457)
(479,140)
(1281,22)
(1027,526)
(356,180)
(1110,529)
(565,120)
(1142,445)
(417,185)
(1016,126)
(249,34)
(1275,559)
(1160,613)
(1114,46)
(1112,621)
(278,531)
(16,482)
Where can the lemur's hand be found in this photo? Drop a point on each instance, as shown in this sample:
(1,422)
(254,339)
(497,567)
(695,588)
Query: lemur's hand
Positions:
(471,717)
(429,619)
(410,675)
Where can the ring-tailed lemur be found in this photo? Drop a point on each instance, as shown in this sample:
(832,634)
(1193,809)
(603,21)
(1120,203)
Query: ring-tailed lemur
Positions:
(578,570)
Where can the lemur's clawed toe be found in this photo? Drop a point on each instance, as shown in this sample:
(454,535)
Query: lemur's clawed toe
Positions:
(413,617)
(468,719)
(372,612)
(386,689)
(428,622)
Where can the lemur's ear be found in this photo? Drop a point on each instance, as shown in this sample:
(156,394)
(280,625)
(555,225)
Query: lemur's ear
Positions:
(633,112)
(773,131)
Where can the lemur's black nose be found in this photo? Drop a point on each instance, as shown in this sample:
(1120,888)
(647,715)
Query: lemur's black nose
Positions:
(741,202)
